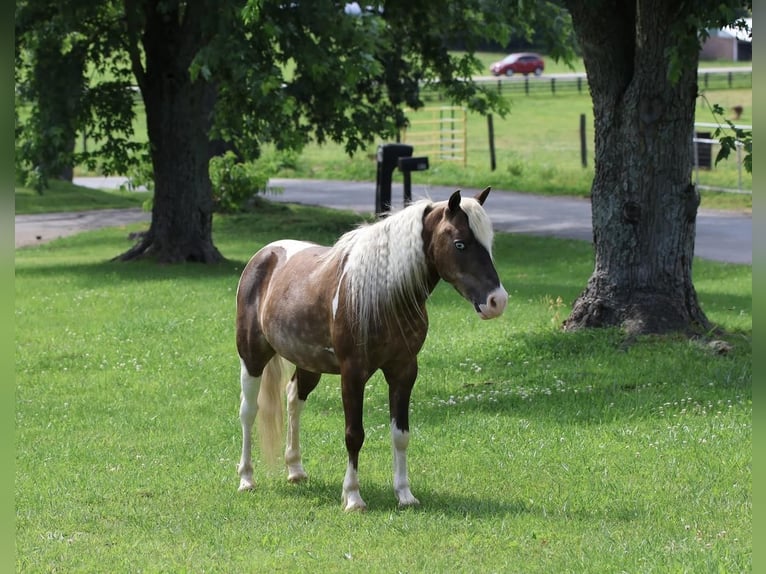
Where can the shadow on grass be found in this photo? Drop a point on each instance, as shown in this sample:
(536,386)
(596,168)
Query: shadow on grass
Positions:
(584,378)
(319,494)
(380,498)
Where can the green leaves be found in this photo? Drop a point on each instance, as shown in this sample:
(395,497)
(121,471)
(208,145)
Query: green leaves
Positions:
(64,53)
(235,182)
(731,137)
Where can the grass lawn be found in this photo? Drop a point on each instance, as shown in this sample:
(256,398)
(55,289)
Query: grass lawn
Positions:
(532,450)
(63,196)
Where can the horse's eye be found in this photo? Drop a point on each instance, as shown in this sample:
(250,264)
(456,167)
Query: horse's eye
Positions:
(459,245)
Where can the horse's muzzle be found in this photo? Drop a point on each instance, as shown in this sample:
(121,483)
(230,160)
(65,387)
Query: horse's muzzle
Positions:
(496,303)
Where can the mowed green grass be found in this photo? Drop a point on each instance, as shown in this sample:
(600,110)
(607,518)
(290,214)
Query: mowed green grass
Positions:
(532,450)
(63,196)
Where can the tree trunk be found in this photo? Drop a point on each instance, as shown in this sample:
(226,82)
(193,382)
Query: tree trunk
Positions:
(177,116)
(643,202)
(59,83)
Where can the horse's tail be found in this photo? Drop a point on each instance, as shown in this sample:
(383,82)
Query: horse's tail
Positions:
(271,410)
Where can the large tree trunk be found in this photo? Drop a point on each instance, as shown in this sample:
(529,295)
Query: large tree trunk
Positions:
(644,204)
(59,83)
(177,116)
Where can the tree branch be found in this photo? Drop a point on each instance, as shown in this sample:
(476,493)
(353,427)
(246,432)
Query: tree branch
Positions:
(132,19)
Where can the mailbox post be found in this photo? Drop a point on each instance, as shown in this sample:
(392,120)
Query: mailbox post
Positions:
(388,154)
(391,156)
(407,165)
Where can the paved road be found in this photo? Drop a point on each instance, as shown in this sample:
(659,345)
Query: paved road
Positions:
(38,228)
(721,236)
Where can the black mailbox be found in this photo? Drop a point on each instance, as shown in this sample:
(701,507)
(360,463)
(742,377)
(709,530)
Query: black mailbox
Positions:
(406,166)
(388,154)
(413,163)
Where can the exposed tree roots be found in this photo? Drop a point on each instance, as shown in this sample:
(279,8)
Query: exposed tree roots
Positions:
(198,251)
(638,314)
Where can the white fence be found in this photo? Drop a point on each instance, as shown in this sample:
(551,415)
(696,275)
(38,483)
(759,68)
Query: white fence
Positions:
(703,149)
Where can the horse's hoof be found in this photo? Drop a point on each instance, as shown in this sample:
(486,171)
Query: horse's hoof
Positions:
(405,498)
(355,507)
(409,502)
(245,486)
(297,477)
(353,502)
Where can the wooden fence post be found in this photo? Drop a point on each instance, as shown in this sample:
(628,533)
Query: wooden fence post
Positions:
(491,130)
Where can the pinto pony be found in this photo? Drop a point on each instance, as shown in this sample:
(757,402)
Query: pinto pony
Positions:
(352,309)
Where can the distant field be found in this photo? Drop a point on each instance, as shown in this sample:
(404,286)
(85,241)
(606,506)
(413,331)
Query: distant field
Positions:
(559,67)
(537,145)
(537,148)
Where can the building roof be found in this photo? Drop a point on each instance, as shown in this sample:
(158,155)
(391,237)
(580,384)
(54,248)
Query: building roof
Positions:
(735,32)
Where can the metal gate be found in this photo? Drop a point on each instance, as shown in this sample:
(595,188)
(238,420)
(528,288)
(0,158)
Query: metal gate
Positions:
(438,132)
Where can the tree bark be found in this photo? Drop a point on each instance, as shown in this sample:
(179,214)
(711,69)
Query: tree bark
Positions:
(177,116)
(643,202)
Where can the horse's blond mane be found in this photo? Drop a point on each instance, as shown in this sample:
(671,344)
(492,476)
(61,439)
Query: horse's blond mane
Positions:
(384,264)
(384,268)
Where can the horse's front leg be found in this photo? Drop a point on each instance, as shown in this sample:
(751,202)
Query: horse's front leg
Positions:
(352,385)
(401,378)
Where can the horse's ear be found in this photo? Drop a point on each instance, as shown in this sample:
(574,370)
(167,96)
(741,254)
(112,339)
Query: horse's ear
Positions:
(482,196)
(454,202)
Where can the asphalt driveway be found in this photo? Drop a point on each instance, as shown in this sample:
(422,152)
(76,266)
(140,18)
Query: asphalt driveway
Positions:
(721,235)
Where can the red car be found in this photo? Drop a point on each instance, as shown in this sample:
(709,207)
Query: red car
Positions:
(519,63)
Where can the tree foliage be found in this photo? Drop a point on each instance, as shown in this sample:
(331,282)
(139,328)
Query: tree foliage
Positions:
(713,15)
(72,78)
(286,73)
(244,73)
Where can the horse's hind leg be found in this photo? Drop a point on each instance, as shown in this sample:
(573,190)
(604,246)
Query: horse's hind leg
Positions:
(298,389)
(248,409)
(400,382)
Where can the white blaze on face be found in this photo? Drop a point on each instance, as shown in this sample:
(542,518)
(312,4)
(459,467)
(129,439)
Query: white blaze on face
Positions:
(481,226)
(479,222)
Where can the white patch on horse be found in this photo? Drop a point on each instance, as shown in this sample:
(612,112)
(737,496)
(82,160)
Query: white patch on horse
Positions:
(496,303)
(481,226)
(292,246)
(399,441)
(295,471)
(352,498)
(336,297)
(248,409)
